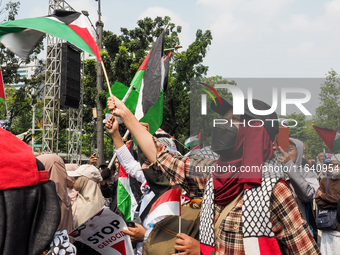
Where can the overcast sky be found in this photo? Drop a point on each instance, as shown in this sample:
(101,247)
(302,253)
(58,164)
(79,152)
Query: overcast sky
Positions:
(251,38)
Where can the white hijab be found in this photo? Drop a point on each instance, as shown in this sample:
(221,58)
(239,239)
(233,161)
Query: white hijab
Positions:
(89,200)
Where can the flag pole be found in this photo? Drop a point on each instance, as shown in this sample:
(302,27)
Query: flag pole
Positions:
(179,224)
(105,74)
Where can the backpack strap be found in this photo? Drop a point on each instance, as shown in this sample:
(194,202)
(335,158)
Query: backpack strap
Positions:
(327,184)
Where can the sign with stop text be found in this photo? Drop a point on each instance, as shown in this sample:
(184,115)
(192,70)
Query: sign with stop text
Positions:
(103,232)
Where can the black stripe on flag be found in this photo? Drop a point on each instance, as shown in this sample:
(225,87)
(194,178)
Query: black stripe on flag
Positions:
(153,75)
(166,70)
(65,16)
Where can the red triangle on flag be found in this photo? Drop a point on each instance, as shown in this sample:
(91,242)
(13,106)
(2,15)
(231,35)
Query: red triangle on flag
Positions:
(327,135)
(199,136)
(122,172)
(120,247)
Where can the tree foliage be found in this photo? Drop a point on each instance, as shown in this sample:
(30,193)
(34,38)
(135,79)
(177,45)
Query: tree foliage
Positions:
(20,101)
(326,115)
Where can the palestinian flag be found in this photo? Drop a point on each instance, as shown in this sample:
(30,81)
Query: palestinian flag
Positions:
(330,137)
(193,142)
(21,36)
(167,204)
(2,88)
(150,82)
(126,201)
(160,132)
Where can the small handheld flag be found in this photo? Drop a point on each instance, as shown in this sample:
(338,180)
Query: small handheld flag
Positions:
(330,137)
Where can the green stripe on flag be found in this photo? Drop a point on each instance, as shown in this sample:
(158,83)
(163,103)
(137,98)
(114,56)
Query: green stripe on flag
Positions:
(137,80)
(336,145)
(192,144)
(123,201)
(2,99)
(119,90)
(154,116)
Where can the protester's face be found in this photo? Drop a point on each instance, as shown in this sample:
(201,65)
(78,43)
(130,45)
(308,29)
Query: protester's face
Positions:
(292,152)
(70,184)
(235,118)
(335,168)
(117,164)
(322,157)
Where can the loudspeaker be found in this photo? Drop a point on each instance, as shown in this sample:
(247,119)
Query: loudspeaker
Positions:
(70,76)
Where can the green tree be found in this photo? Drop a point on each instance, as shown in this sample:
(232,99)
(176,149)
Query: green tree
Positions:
(19,101)
(328,113)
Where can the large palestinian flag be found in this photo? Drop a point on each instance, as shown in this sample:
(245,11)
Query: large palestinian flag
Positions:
(330,137)
(20,36)
(150,81)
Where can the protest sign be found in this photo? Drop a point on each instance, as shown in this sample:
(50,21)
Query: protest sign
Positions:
(103,232)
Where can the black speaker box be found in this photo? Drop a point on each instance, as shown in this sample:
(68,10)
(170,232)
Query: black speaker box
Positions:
(70,76)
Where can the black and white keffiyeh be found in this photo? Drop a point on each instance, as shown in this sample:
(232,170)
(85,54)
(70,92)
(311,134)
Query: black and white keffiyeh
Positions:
(255,210)
(61,245)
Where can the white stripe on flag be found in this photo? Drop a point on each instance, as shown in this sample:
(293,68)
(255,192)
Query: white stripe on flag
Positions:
(167,208)
(21,43)
(139,108)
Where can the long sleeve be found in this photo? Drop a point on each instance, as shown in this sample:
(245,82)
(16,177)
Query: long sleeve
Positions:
(290,229)
(329,200)
(304,182)
(191,174)
(131,166)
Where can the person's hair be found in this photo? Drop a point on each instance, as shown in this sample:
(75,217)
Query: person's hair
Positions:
(291,143)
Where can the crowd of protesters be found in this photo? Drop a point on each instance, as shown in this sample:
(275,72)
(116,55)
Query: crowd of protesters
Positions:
(265,212)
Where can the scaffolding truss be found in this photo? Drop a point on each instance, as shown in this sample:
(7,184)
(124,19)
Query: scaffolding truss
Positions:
(51,113)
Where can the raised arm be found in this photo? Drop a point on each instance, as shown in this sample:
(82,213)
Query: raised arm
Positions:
(189,173)
(143,137)
(125,158)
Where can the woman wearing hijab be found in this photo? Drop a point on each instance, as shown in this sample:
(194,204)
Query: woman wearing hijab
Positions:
(243,212)
(89,200)
(57,173)
(72,193)
(303,182)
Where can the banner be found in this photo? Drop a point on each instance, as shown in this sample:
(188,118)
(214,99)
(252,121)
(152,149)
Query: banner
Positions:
(103,232)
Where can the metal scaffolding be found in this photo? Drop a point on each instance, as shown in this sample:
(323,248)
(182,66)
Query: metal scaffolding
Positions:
(52,97)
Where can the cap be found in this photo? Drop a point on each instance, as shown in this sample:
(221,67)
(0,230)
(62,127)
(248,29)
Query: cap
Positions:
(27,170)
(272,127)
(88,171)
